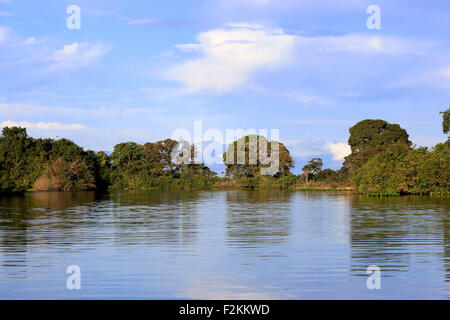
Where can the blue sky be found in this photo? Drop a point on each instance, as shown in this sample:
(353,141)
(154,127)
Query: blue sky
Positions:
(137,71)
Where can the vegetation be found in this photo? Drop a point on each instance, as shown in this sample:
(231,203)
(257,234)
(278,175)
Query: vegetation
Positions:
(370,137)
(313,167)
(382,162)
(403,170)
(247,170)
(43,164)
(446,121)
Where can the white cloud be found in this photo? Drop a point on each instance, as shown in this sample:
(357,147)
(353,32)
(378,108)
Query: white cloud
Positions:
(256,2)
(362,43)
(3,33)
(323,6)
(5,1)
(230,55)
(147,21)
(304,148)
(309,99)
(30,41)
(77,55)
(438,78)
(42,125)
(339,150)
(112,109)
(309,148)
(5,14)
(445,72)
(107,12)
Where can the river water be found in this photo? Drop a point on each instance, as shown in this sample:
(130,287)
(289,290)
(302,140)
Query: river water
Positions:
(224,245)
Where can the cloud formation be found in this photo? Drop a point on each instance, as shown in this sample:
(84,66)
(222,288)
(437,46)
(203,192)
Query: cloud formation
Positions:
(146,22)
(339,150)
(3,33)
(77,55)
(308,148)
(42,125)
(29,41)
(229,56)
(362,43)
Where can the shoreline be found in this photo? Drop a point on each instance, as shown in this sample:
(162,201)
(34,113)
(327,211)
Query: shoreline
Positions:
(349,190)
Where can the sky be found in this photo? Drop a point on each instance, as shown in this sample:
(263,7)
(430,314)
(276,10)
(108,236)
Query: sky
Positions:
(140,70)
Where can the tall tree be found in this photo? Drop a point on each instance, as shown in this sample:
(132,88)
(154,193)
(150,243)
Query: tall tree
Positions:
(16,151)
(370,137)
(313,167)
(165,150)
(247,162)
(127,153)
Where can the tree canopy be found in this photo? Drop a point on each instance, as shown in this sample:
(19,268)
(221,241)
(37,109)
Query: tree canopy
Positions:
(446,121)
(403,170)
(382,162)
(312,168)
(370,137)
(247,162)
(44,164)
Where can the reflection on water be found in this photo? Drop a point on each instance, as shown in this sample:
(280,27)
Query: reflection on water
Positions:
(223,245)
(393,233)
(257,217)
(155,218)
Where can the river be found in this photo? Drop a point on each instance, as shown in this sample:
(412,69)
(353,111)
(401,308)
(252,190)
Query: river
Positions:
(223,245)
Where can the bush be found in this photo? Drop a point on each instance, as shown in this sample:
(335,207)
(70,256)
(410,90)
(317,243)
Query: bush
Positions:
(404,170)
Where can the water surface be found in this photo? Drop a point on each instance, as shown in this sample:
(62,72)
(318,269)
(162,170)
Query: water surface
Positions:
(223,245)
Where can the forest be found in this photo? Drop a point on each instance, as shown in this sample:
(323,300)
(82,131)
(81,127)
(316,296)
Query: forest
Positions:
(383,162)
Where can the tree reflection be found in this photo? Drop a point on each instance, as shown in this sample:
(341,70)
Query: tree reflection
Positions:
(155,217)
(258,217)
(40,220)
(446,238)
(383,231)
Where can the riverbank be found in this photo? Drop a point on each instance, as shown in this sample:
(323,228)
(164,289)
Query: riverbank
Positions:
(323,189)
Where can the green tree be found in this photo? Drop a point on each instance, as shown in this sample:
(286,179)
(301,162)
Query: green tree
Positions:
(43,164)
(127,154)
(160,154)
(370,137)
(102,163)
(446,121)
(66,149)
(312,168)
(247,162)
(403,170)
(16,151)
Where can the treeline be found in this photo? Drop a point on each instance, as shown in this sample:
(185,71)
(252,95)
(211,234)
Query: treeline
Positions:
(382,162)
(46,164)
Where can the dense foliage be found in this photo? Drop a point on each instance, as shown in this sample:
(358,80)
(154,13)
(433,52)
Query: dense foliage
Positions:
(43,164)
(245,162)
(403,170)
(370,137)
(382,162)
(397,168)
(313,167)
(446,121)
(153,165)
